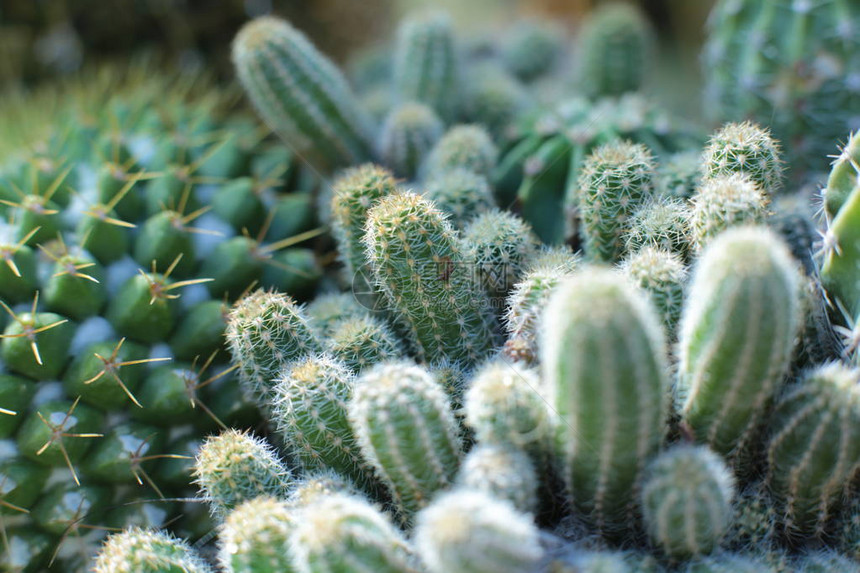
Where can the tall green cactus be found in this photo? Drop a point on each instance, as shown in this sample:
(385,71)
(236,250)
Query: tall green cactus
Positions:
(723,202)
(255,537)
(301,94)
(409,133)
(748,149)
(603,358)
(736,337)
(663,276)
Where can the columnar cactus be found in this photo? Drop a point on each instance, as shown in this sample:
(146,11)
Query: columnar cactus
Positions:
(461,193)
(603,357)
(310,415)
(419,266)
(362,342)
(615,180)
(748,149)
(406,430)
(301,94)
(813,450)
(736,337)
(724,202)
(409,133)
(616,46)
(532,48)
(664,223)
(341,534)
(468,146)
(233,467)
(663,276)
(265,332)
(680,174)
(425,64)
(143,551)
(503,473)
(686,501)
(255,537)
(844,176)
(471,532)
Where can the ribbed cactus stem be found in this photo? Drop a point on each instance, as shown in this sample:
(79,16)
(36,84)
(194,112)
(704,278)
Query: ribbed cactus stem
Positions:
(146,551)
(461,193)
(736,336)
(686,501)
(663,223)
(814,448)
(419,266)
(362,342)
(663,276)
(255,537)
(469,146)
(301,94)
(747,149)
(409,133)
(406,430)
(603,362)
(471,532)
(724,202)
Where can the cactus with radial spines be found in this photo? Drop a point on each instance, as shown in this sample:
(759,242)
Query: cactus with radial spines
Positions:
(662,222)
(748,149)
(139,550)
(736,337)
(472,532)
(813,448)
(419,266)
(310,412)
(409,133)
(499,245)
(36,344)
(663,276)
(502,472)
(603,355)
(362,342)
(255,537)
(616,48)
(328,310)
(844,176)
(234,466)
(404,425)
(465,145)
(425,63)
(340,533)
(825,561)
(319,484)
(724,202)
(754,522)
(848,529)
(679,174)
(265,332)
(354,192)
(686,501)
(301,94)
(529,296)
(798,75)
(615,180)
(461,193)
(726,563)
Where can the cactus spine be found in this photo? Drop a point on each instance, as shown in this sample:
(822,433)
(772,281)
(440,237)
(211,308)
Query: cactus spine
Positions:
(747,149)
(255,537)
(603,361)
(143,551)
(736,336)
(663,276)
(724,202)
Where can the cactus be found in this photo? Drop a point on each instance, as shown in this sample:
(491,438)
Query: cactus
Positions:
(233,467)
(496,100)
(409,133)
(255,537)
(266,331)
(662,275)
(726,563)
(406,430)
(320,484)
(460,193)
(531,49)
(419,266)
(310,412)
(686,501)
(603,356)
(469,531)
(736,337)
(362,342)
(327,311)
(747,149)
(663,223)
(680,174)
(824,562)
(300,94)
(724,202)
(811,450)
(615,180)
(143,551)
(340,534)
(753,524)
(798,75)
(844,177)
(425,63)
(468,146)
(503,473)
(616,47)
(593,562)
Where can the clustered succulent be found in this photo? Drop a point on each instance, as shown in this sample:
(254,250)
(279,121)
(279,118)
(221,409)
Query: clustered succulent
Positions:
(555,334)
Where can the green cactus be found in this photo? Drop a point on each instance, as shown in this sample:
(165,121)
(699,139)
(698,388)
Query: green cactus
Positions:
(341,534)
(327,311)
(797,75)
(680,174)
(662,223)
(319,484)
(593,562)
(406,430)
(724,202)
(747,149)
(726,563)
(255,537)
(460,193)
(409,133)
(603,356)
(471,532)
(503,473)
(495,99)
(810,451)
(844,177)
(825,561)
(754,522)
(362,342)
(301,94)
(419,267)
(468,146)
(736,337)
(532,48)
(663,276)
(616,46)
(144,551)
(616,179)
(425,63)
(686,501)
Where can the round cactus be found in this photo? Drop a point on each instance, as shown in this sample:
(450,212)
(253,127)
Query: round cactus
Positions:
(664,223)
(461,193)
(680,174)
(532,48)
(468,146)
(503,473)
(362,342)
(144,551)
(663,276)
(409,133)
(724,202)
(255,537)
(747,149)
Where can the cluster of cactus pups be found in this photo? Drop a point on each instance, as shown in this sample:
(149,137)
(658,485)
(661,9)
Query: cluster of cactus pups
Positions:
(561,335)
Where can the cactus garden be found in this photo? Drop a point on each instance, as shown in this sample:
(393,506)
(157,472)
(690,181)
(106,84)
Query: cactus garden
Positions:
(450,302)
